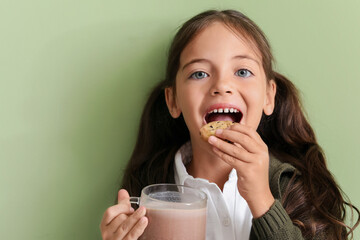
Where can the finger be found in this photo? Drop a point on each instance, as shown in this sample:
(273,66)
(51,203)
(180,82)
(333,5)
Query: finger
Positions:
(233,162)
(230,149)
(138,229)
(113,212)
(249,131)
(240,138)
(124,198)
(130,222)
(116,222)
(123,194)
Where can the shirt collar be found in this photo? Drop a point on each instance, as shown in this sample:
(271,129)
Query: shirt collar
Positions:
(182,157)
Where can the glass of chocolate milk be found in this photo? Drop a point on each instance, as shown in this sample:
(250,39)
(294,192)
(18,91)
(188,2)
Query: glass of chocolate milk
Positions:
(175,212)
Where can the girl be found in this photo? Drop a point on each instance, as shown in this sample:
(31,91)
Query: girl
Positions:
(265,176)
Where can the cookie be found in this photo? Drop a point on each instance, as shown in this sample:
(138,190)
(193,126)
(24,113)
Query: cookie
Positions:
(209,129)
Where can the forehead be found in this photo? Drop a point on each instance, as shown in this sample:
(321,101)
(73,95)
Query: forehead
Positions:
(220,38)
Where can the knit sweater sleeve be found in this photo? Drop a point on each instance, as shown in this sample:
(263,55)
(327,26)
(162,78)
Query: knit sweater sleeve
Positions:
(276,224)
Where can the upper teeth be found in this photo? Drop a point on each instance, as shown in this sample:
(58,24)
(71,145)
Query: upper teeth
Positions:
(224,110)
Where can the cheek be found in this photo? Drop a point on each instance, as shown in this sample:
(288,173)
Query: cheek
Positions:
(255,96)
(189,101)
(255,104)
(185,99)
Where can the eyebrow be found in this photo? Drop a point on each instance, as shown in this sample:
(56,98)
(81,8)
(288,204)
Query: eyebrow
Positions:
(208,61)
(195,61)
(247,57)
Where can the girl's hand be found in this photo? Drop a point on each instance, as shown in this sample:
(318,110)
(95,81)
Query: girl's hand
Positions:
(121,221)
(249,155)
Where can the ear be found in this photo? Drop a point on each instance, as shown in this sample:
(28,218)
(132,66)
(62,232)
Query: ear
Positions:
(171,103)
(269,104)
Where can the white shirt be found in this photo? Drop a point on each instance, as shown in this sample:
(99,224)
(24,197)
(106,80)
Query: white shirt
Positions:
(228,215)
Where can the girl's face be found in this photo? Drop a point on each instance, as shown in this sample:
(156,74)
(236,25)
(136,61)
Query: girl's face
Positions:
(220,77)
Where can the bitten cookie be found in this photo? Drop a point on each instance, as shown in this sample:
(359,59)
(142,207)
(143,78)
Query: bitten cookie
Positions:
(209,129)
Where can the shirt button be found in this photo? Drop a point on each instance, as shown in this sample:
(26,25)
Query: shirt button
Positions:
(226,221)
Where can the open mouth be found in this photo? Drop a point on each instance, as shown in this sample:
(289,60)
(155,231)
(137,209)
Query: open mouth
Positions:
(224,114)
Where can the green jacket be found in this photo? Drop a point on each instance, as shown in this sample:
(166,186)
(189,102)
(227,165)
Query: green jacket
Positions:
(276,223)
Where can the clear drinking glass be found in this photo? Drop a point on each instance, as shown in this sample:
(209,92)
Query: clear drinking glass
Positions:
(175,212)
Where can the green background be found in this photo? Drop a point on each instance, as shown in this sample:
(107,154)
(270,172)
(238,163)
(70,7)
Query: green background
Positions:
(74,76)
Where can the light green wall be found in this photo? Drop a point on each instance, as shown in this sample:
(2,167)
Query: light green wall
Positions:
(75,74)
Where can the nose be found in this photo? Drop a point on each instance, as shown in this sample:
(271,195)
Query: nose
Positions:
(221,87)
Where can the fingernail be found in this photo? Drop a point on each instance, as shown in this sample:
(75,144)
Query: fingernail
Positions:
(143,220)
(142,210)
(212,139)
(219,131)
(132,209)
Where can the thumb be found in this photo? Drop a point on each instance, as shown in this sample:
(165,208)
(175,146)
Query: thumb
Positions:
(123,195)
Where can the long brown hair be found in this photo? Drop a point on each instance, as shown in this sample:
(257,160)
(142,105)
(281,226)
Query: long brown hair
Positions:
(313,200)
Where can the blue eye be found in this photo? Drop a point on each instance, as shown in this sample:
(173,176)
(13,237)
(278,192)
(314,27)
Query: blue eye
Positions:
(243,73)
(199,75)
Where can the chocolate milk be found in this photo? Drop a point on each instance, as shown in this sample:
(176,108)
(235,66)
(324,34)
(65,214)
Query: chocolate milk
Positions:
(175,224)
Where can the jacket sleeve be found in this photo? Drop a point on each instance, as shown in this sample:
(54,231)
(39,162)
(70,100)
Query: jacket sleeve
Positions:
(276,224)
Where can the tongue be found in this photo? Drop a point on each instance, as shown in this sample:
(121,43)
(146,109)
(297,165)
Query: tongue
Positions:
(221,117)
